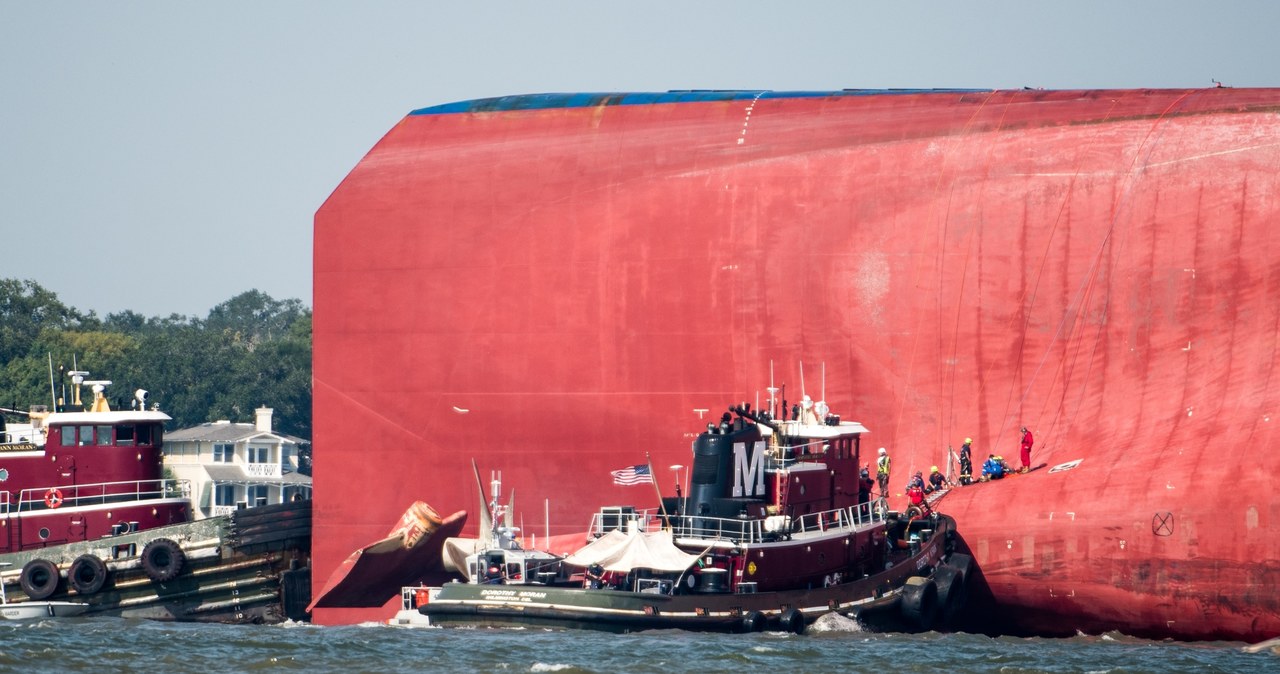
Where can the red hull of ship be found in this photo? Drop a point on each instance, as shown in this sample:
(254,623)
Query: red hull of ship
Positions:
(557,291)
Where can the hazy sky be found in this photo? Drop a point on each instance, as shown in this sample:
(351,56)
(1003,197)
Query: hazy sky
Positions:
(164,157)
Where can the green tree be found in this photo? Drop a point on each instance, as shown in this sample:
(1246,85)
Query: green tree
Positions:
(250,351)
(33,322)
(252,317)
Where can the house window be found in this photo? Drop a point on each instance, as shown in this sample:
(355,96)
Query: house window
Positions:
(225,495)
(259,454)
(223,453)
(257,495)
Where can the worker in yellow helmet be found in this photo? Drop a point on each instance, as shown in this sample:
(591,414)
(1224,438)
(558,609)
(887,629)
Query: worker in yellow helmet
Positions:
(935,482)
(882,472)
(966,462)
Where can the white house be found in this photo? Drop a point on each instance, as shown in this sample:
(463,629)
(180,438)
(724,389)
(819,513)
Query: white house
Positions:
(236,465)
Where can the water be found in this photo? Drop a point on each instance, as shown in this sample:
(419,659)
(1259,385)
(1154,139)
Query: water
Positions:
(113,644)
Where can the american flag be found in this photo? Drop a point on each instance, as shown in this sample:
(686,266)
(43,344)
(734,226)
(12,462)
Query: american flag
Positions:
(633,475)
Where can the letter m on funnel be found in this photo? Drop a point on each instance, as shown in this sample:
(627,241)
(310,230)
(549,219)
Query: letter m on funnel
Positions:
(752,470)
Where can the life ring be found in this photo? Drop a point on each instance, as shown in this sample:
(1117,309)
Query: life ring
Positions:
(39,579)
(53,497)
(162,559)
(87,574)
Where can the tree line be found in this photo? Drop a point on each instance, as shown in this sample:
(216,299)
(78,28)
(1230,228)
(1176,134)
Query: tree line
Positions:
(250,351)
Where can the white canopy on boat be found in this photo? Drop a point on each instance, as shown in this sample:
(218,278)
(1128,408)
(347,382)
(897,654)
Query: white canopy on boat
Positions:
(622,552)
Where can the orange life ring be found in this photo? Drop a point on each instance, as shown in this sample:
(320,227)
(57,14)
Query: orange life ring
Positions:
(53,497)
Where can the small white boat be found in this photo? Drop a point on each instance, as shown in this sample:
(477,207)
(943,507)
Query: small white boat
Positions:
(31,610)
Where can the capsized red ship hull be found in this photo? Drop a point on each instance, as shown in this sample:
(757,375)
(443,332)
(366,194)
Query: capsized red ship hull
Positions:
(557,285)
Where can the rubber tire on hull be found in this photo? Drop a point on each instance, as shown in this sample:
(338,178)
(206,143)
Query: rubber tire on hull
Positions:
(87,575)
(920,602)
(753,622)
(792,620)
(163,560)
(39,579)
(953,591)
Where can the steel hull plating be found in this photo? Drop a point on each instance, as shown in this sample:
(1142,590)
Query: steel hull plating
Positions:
(1096,265)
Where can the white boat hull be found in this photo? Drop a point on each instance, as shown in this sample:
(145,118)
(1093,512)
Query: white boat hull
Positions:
(32,610)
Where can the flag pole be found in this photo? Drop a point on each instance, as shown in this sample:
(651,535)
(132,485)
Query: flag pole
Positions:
(654,479)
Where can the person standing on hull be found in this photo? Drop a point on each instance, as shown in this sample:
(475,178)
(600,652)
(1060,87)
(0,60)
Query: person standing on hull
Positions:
(1027,441)
(966,462)
(882,472)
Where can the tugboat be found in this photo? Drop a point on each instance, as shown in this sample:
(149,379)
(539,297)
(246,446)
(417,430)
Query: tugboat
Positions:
(773,534)
(89,523)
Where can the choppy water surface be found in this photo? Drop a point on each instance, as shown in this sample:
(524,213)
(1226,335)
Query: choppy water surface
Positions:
(111,644)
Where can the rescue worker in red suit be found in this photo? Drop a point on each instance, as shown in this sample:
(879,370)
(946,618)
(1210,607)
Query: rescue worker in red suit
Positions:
(1027,441)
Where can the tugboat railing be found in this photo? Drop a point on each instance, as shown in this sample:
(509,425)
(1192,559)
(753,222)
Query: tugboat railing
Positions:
(72,495)
(741,530)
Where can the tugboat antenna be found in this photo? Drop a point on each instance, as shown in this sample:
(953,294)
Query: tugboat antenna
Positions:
(773,393)
(53,392)
(802,391)
(824,380)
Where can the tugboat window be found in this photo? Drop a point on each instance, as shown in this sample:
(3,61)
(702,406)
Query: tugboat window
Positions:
(68,436)
(124,435)
(86,435)
(44,534)
(103,435)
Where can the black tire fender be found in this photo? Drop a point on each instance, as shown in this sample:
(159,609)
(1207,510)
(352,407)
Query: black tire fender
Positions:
(163,560)
(87,575)
(39,579)
(753,622)
(792,620)
(920,602)
(953,590)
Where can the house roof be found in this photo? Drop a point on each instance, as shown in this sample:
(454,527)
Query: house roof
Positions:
(221,431)
(234,475)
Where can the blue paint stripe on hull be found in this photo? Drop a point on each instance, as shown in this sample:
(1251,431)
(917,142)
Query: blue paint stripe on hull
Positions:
(587,100)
